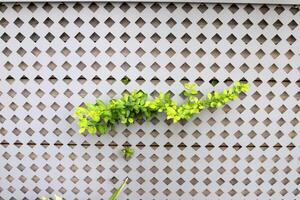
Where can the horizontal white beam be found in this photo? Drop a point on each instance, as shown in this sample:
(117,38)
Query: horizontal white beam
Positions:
(293,2)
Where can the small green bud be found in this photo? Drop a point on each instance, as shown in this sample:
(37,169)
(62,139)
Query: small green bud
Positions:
(127,152)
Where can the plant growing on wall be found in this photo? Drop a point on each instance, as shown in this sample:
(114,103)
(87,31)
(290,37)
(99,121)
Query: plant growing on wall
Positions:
(127,152)
(55,198)
(114,195)
(118,191)
(100,117)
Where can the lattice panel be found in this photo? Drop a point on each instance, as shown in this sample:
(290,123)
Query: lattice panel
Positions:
(56,56)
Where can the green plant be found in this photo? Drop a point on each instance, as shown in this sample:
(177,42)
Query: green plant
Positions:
(127,152)
(55,198)
(125,80)
(114,196)
(101,117)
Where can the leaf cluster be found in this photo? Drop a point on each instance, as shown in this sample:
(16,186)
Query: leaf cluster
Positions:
(127,152)
(100,117)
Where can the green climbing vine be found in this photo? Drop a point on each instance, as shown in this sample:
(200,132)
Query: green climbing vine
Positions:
(100,117)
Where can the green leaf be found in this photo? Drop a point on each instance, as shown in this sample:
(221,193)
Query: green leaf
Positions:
(185,93)
(92,130)
(81,130)
(102,129)
(127,152)
(209,96)
(130,120)
(57,197)
(116,194)
(79,111)
(94,116)
(83,122)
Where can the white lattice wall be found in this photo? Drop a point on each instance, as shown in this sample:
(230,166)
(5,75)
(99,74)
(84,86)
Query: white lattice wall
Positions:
(56,56)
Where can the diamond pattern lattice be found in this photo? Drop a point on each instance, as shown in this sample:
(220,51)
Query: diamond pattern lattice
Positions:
(54,56)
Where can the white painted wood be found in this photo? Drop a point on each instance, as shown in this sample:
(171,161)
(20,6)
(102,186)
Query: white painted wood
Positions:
(55,56)
(283,2)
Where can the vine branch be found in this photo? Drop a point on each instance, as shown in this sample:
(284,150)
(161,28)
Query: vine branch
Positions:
(101,117)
